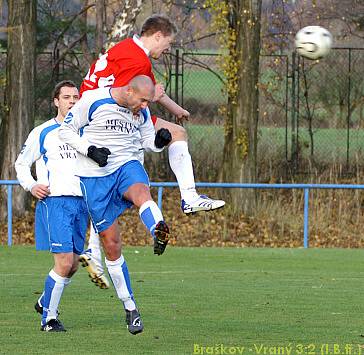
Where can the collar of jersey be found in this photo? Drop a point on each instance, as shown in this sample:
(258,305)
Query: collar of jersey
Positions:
(140,44)
(56,121)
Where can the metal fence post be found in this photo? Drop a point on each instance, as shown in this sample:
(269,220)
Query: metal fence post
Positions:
(10,215)
(294,112)
(348,114)
(305,218)
(176,78)
(160,197)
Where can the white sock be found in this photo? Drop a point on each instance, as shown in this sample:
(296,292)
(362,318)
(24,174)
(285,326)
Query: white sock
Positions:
(181,164)
(119,275)
(150,214)
(53,290)
(94,245)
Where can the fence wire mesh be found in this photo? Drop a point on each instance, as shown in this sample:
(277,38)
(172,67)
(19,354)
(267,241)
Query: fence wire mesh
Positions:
(310,112)
(328,108)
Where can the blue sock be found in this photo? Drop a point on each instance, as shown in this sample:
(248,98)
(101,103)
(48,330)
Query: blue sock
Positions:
(53,289)
(150,215)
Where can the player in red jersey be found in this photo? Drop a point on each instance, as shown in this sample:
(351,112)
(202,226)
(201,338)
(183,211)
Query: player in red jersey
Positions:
(131,57)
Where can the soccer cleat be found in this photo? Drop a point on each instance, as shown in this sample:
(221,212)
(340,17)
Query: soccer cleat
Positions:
(53,325)
(98,278)
(134,322)
(202,203)
(161,237)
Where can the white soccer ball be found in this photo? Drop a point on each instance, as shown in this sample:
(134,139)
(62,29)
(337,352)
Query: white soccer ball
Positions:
(313,42)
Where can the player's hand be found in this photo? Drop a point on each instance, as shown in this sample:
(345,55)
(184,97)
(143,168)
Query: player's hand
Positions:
(99,155)
(40,191)
(162,138)
(182,115)
(159,92)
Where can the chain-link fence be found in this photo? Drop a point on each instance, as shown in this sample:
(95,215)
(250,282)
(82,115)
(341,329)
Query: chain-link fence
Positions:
(310,112)
(50,69)
(327,103)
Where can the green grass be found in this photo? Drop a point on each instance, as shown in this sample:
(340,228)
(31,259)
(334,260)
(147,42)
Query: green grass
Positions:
(330,144)
(204,296)
(202,85)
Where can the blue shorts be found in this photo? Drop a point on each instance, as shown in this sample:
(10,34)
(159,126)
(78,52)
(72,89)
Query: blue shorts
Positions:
(61,224)
(104,194)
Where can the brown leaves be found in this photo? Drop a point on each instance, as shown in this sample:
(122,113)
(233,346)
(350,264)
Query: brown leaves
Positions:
(278,223)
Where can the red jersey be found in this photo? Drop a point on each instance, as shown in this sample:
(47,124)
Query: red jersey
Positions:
(118,66)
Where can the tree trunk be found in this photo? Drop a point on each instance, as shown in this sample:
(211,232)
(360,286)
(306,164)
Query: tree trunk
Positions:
(124,22)
(100,25)
(240,149)
(19,94)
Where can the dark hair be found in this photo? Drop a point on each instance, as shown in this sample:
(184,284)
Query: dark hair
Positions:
(157,23)
(60,85)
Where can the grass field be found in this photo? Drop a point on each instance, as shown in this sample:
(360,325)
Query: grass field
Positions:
(329,144)
(220,298)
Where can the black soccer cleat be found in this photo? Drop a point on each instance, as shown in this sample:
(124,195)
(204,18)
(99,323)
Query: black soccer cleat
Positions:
(161,237)
(134,322)
(53,325)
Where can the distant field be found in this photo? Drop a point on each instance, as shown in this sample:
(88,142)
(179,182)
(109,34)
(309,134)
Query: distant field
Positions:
(192,298)
(202,85)
(329,144)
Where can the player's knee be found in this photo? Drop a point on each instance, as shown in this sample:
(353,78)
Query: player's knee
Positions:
(112,245)
(178,133)
(74,268)
(64,267)
(138,194)
(142,196)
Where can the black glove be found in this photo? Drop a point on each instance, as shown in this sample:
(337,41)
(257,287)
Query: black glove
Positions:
(162,138)
(99,155)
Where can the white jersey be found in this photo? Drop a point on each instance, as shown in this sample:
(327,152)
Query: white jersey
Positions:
(103,123)
(55,161)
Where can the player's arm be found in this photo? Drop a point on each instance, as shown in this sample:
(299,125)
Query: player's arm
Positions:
(150,140)
(29,154)
(77,118)
(162,98)
(175,109)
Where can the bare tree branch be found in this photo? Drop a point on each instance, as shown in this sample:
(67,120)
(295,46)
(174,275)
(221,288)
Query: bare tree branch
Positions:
(194,40)
(66,28)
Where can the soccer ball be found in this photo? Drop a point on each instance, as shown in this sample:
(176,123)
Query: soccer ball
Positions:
(313,42)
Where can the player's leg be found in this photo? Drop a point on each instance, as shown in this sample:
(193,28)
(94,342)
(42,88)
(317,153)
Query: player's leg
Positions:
(104,213)
(181,164)
(48,234)
(135,188)
(95,249)
(91,259)
(67,219)
(150,214)
(119,274)
(54,284)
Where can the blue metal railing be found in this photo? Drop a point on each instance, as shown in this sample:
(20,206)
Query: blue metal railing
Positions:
(160,185)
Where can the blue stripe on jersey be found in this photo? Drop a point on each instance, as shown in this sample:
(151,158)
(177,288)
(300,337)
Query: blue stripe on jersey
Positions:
(97,104)
(145,113)
(43,135)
